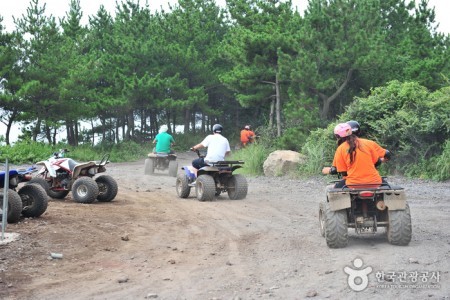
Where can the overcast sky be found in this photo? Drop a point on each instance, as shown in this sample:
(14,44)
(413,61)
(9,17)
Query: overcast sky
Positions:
(58,9)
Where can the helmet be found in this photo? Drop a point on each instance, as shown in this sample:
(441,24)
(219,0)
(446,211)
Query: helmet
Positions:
(163,128)
(247,127)
(355,127)
(342,130)
(217,128)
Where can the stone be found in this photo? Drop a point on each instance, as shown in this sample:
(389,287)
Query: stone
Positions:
(282,162)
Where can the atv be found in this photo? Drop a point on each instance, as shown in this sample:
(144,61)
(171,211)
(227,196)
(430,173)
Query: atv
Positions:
(161,161)
(212,180)
(61,175)
(30,200)
(365,208)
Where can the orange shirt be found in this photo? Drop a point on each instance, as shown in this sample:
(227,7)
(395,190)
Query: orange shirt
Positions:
(362,170)
(378,149)
(245,135)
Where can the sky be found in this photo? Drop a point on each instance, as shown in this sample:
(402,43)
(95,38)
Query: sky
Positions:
(58,9)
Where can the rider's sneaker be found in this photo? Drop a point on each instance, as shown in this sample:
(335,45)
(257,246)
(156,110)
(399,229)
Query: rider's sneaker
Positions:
(194,182)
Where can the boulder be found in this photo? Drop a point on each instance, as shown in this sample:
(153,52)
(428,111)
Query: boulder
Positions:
(282,162)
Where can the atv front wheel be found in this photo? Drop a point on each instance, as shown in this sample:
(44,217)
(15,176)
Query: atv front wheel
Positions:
(14,205)
(107,188)
(85,190)
(237,187)
(34,200)
(182,185)
(205,188)
(399,228)
(336,227)
(149,166)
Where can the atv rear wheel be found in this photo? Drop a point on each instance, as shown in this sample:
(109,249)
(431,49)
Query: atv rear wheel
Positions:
(205,188)
(149,166)
(107,188)
(14,205)
(85,190)
(237,187)
(336,227)
(34,200)
(173,168)
(182,185)
(399,229)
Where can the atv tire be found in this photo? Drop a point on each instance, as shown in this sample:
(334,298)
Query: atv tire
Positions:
(205,188)
(107,188)
(237,187)
(34,200)
(182,185)
(14,205)
(42,182)
(85,190)
(336,227)
(399,229)
(149,168)
(173,168)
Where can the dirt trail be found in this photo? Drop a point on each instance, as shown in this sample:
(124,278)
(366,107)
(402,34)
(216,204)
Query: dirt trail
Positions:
(148,243)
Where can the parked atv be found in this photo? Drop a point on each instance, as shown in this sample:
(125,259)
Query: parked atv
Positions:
(62,175)
(30,200)
(161,161)
(212,180)
(365,208)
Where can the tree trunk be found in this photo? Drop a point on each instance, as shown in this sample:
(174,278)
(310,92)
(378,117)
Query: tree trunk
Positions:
(187,120)
(9,125)
(328,100)
(278,105)
(36,129)
(93,133)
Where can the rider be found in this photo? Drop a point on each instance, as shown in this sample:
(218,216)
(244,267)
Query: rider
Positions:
(384,154)
(247,135)
(355,158)
(163,140)
(218,147)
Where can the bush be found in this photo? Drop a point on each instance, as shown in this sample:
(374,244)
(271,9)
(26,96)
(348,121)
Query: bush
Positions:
(254,156)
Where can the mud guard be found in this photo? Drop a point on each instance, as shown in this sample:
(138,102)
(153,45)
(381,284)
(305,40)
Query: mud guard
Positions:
(395,200)
(338,200)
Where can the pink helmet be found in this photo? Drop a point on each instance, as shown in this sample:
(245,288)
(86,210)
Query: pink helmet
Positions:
(342,130)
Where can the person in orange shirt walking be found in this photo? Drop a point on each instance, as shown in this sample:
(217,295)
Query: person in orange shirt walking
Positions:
(247,135)
(354,158)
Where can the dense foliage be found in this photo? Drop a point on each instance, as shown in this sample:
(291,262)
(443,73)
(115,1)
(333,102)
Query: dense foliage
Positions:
(259,62)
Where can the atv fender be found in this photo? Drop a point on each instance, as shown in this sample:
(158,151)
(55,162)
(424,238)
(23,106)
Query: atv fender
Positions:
(45,164)
(338,200)
(395,199)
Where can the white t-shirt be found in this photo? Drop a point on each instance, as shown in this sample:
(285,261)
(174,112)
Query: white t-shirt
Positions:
(217,145)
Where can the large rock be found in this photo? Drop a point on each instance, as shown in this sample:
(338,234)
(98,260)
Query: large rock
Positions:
(282,162)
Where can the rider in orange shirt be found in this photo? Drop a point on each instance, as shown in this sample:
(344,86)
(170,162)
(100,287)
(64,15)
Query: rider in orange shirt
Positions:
(355,158)
(247,136)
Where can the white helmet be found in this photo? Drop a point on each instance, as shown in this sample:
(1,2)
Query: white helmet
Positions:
(163,128)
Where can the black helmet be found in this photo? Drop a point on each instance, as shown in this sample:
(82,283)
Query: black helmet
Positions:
(355,127)
(217,128)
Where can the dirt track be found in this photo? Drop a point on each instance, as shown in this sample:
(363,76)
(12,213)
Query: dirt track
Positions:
(148,243)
